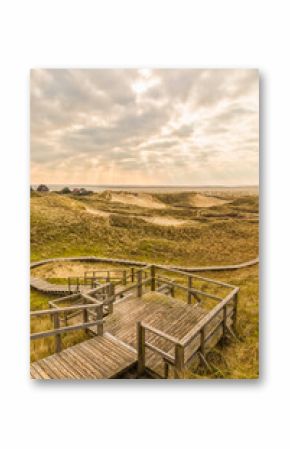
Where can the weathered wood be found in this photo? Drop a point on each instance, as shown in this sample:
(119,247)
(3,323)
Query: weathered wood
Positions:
(61,310)
(192,290)
(166,370)
(139,284)
(159,351)
(57,335)
(161,334)
(153,278)
(97,358)
(143,264)
(100,326)
(179,361)
(224,322)
(141,348)
(191,335)
(189,287)
(235,298)
(62,330)
(167,344)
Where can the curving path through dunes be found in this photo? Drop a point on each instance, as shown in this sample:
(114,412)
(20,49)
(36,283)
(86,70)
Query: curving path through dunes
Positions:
(143,264)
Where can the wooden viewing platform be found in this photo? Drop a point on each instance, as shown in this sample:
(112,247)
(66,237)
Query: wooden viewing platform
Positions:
(162,325)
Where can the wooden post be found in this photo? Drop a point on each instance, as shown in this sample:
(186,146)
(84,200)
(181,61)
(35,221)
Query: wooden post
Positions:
(224,322)
(202,342)
(172,291)
(189,288)
(124,277)
(78,284)
(100,326)
(132,274)
(85,318)
(166,369)
(108,276)
(57,336)
(111,297)
(141,348)
(153,278)
(139,285)
(235,311)
(85,278)
(68,283)
(179,362)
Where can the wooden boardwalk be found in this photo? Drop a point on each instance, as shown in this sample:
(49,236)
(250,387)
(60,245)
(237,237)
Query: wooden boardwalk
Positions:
(97,358)
(55,289)
(168,315)
(136,263)
(137,323)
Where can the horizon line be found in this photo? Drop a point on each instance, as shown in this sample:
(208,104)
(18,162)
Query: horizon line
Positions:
(148,185)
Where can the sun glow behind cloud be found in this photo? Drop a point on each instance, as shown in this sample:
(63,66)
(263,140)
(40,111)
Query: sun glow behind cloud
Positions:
(159,127)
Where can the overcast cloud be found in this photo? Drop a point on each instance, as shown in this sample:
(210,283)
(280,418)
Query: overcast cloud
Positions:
(158,127)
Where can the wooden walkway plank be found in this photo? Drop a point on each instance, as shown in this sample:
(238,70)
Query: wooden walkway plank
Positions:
(97,358)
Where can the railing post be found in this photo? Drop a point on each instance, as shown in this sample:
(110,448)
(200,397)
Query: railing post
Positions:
(202,342)
(68,284)
(124,277)
(111,298)
(108,276)
(166,369)
(224,323)
(78,284)
(132,274)
(189,289)
(57,336)
(153,278)
(172,291)
(179,362)
(85,318)
(235,311)
(140,348)
(139,285)
(99,313)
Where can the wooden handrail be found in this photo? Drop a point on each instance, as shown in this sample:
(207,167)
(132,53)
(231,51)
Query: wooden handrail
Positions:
(62,330)
(161,333)
(210,316)
(64,309)
(189,274)
(192,290)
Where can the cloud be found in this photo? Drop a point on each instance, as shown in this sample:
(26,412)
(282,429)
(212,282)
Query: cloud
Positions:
(144,126)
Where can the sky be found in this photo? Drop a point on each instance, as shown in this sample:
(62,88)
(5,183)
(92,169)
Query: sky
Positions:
(145,127)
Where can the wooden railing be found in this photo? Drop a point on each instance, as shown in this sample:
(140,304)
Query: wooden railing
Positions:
(115,276)
(57,330)
(220,319)
(103,294)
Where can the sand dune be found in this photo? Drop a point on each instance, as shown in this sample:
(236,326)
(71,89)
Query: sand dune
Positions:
(141,200)
(198,200)
(99,213)
(166,221)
